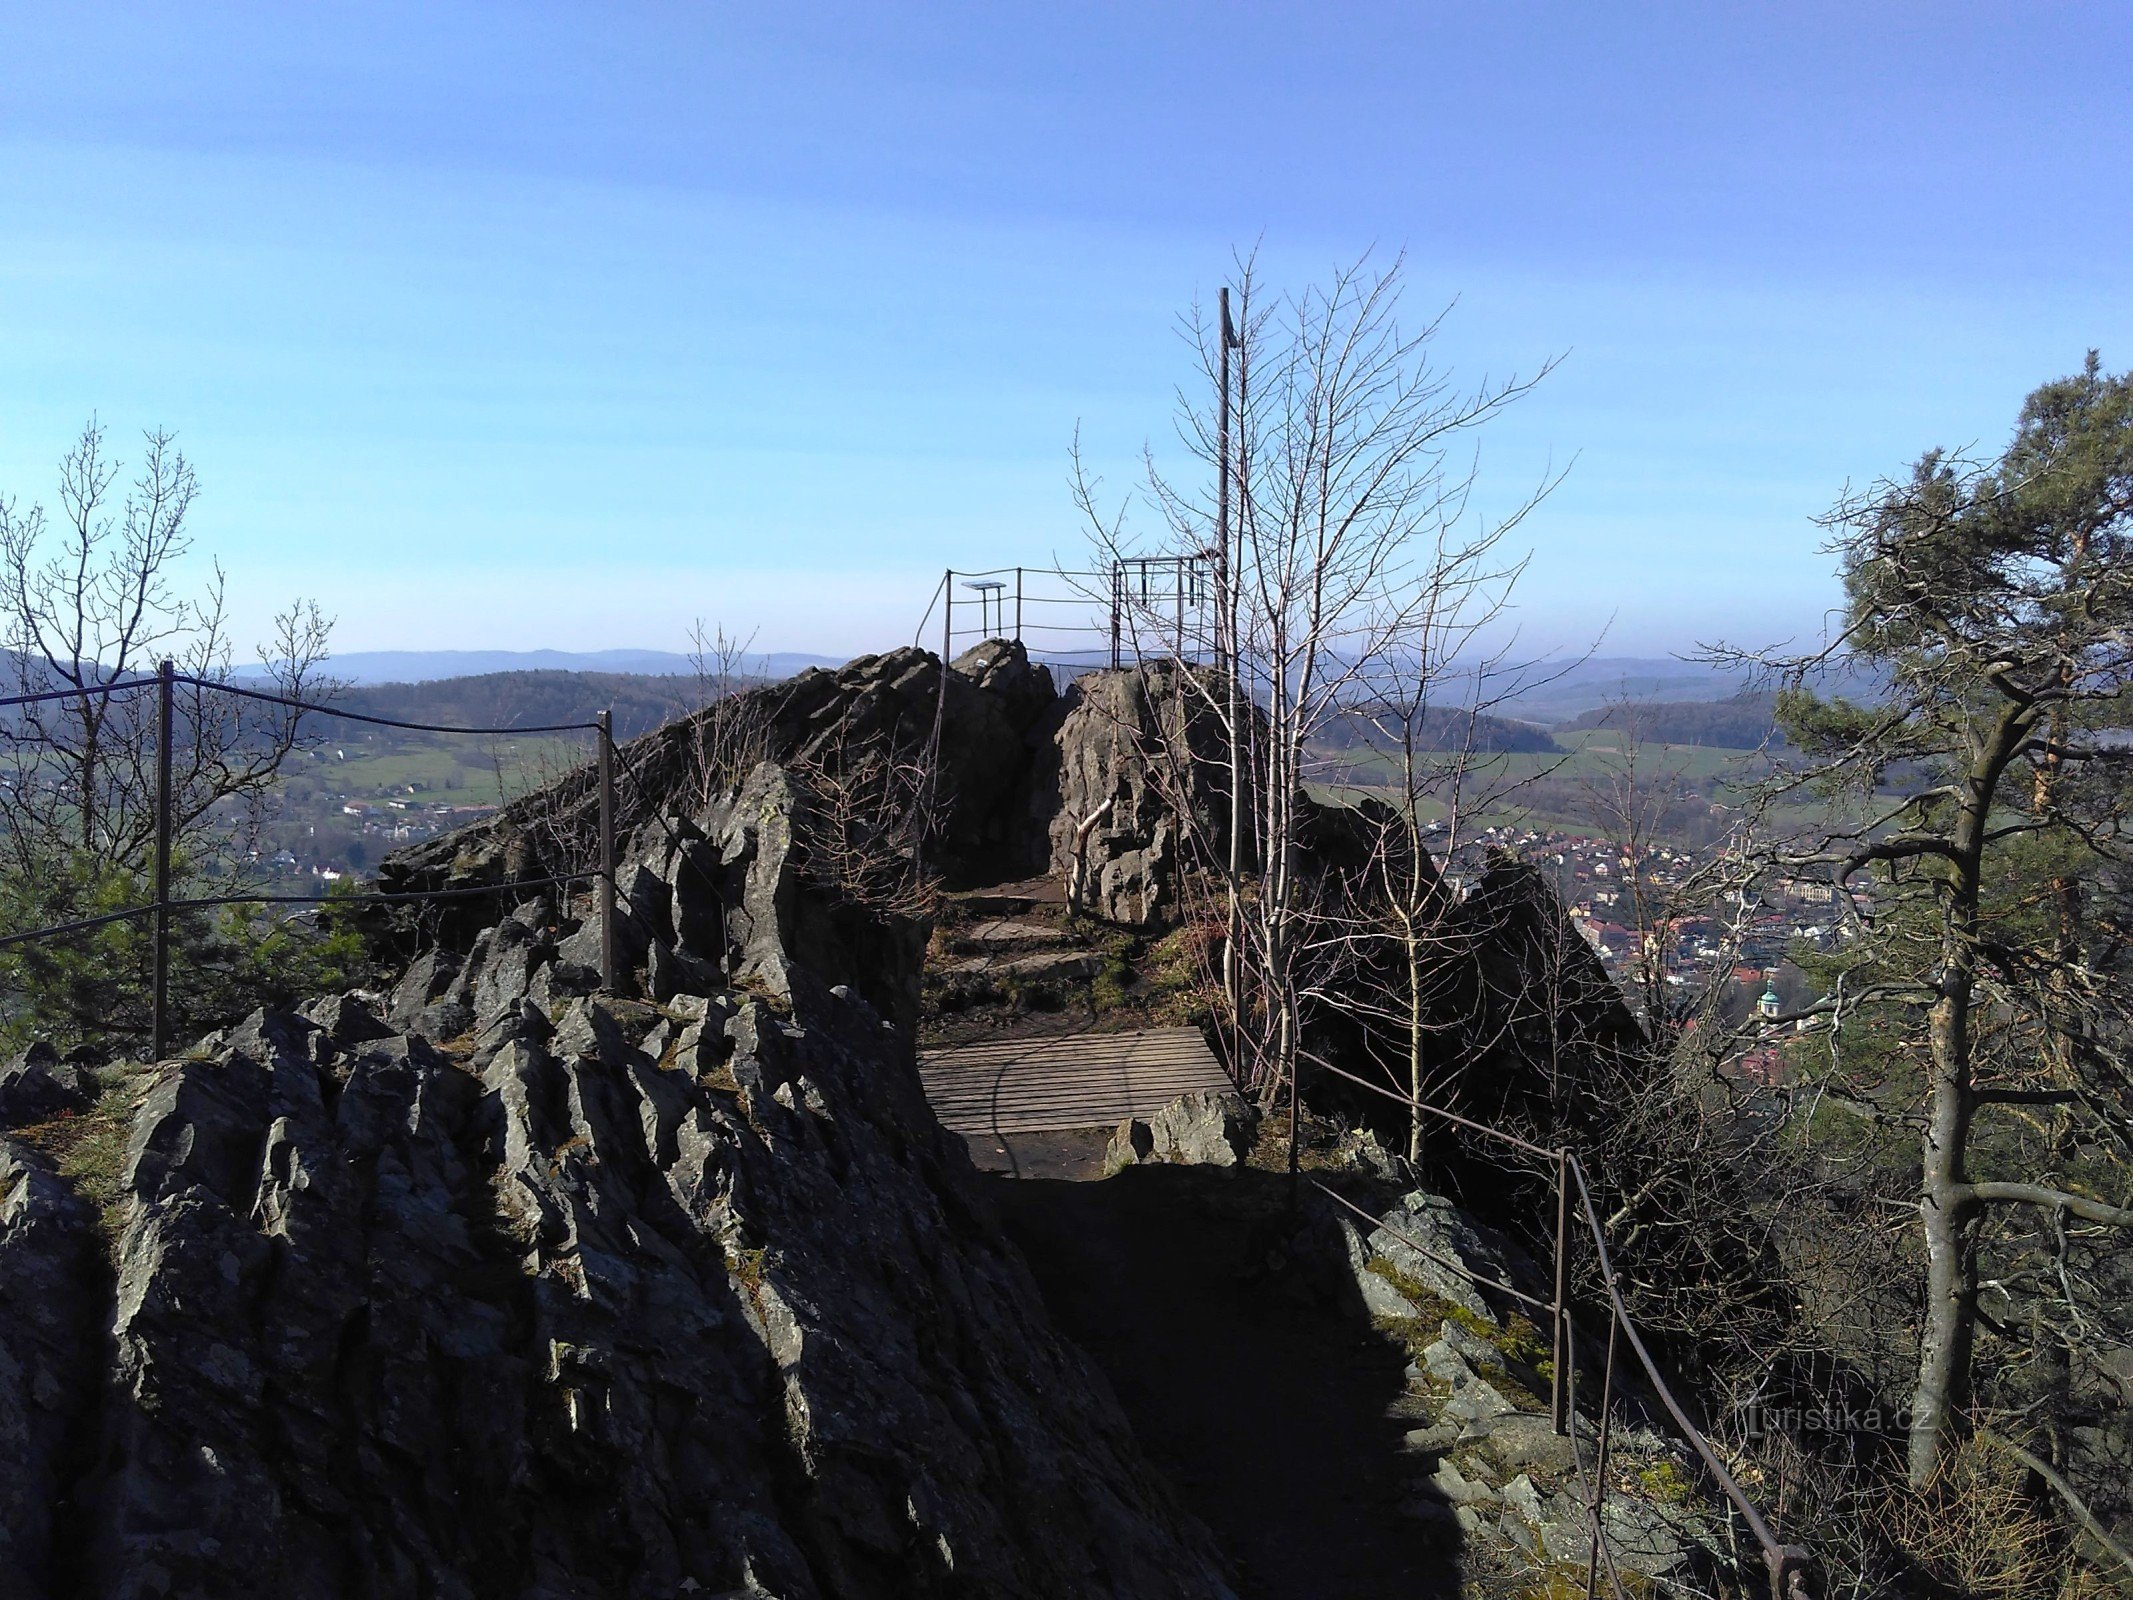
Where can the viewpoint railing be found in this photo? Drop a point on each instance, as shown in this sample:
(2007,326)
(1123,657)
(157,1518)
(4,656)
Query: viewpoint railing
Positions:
(1134,609)
(1789,1565)
(164,903)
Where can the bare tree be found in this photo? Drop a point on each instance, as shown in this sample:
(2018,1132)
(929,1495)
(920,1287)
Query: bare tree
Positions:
(729,735)
(91,596)
(1324,517)
(1428,730)
(88,597)
(864,823)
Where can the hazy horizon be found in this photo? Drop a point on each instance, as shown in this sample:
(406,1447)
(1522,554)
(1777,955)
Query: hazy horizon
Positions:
(505,323)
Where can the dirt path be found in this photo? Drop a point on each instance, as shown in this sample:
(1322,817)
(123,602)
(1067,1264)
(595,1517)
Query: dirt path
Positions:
(1270,1412)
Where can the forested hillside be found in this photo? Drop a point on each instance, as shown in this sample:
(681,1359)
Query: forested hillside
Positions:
(1440,730)
(533,699)
(1747,721)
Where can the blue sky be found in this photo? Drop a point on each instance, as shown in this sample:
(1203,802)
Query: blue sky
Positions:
(563,325)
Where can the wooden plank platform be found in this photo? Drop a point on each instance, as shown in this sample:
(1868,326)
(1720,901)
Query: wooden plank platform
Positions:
(1076,1080)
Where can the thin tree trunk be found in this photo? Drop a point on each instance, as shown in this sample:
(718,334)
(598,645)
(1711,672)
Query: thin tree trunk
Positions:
(1949,1333)
(1414,1050)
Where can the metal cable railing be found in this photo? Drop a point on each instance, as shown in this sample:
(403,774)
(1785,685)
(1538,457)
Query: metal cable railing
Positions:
(1137,608)
(1788,1565)
(164,902)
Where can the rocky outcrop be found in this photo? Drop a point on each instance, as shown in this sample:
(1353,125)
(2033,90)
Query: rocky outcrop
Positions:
(1539,1021)
(1490,1473)
(1134,748)
(494,1286)
(1087,786)
(1203,1128)
(52,1296)
(37,1085)
(874,716)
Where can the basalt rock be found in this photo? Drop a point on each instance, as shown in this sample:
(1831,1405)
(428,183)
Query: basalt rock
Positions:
(1488,1467)
(1133,750)
(871,716)
(593,1297)
(1202,1128)
(54,1297)
(583,1326)
(38,1085)
(1532,999)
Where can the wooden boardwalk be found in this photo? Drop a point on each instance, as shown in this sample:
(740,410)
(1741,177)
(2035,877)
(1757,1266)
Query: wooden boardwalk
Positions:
(1074,1080)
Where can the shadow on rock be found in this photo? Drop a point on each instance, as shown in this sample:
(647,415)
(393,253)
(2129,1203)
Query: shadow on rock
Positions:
(1281,1416)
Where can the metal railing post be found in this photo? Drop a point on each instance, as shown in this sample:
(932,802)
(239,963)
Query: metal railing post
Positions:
(1177,598)
(948,618)
(1599,1470)
(1558,1390)
(608,962)
(159,1003)
(1018,605)
(1118,599)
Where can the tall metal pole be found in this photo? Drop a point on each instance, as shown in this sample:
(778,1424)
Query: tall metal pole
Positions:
(609,975)
(940,724)
(1226,336)
(159,1015)
(1018,605)
(1178,598)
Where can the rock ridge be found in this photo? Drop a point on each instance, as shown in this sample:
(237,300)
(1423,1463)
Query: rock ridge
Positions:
(494,1286)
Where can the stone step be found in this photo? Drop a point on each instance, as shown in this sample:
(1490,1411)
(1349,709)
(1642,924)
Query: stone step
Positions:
(1010,899)
(1048,966)
(1003,935)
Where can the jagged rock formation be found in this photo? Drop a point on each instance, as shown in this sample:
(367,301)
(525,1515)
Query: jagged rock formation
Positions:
(495,1287)
(1490,1471)
(1200,1129)
(1128,753)
(985,716)
(1028,780)
(1540,1022)
(37,1084)
(50,1260)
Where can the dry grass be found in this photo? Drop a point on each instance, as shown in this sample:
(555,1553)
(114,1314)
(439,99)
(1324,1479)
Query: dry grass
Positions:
(89,1149)
(1976,1530)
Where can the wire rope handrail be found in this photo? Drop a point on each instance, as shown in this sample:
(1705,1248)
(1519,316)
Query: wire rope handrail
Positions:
(79,691)
(377,721)
(1788,1564)
(240,691)
(165,902)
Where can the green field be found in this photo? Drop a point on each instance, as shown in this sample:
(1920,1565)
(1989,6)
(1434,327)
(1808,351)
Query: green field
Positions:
(418,771)
(482,770)
(1571,791)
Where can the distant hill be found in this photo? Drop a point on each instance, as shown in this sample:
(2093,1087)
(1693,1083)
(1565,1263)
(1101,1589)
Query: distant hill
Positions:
(425,666)
(1449,730)
(1571,691)
(639,701)
(1587,686)
(1743,722)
